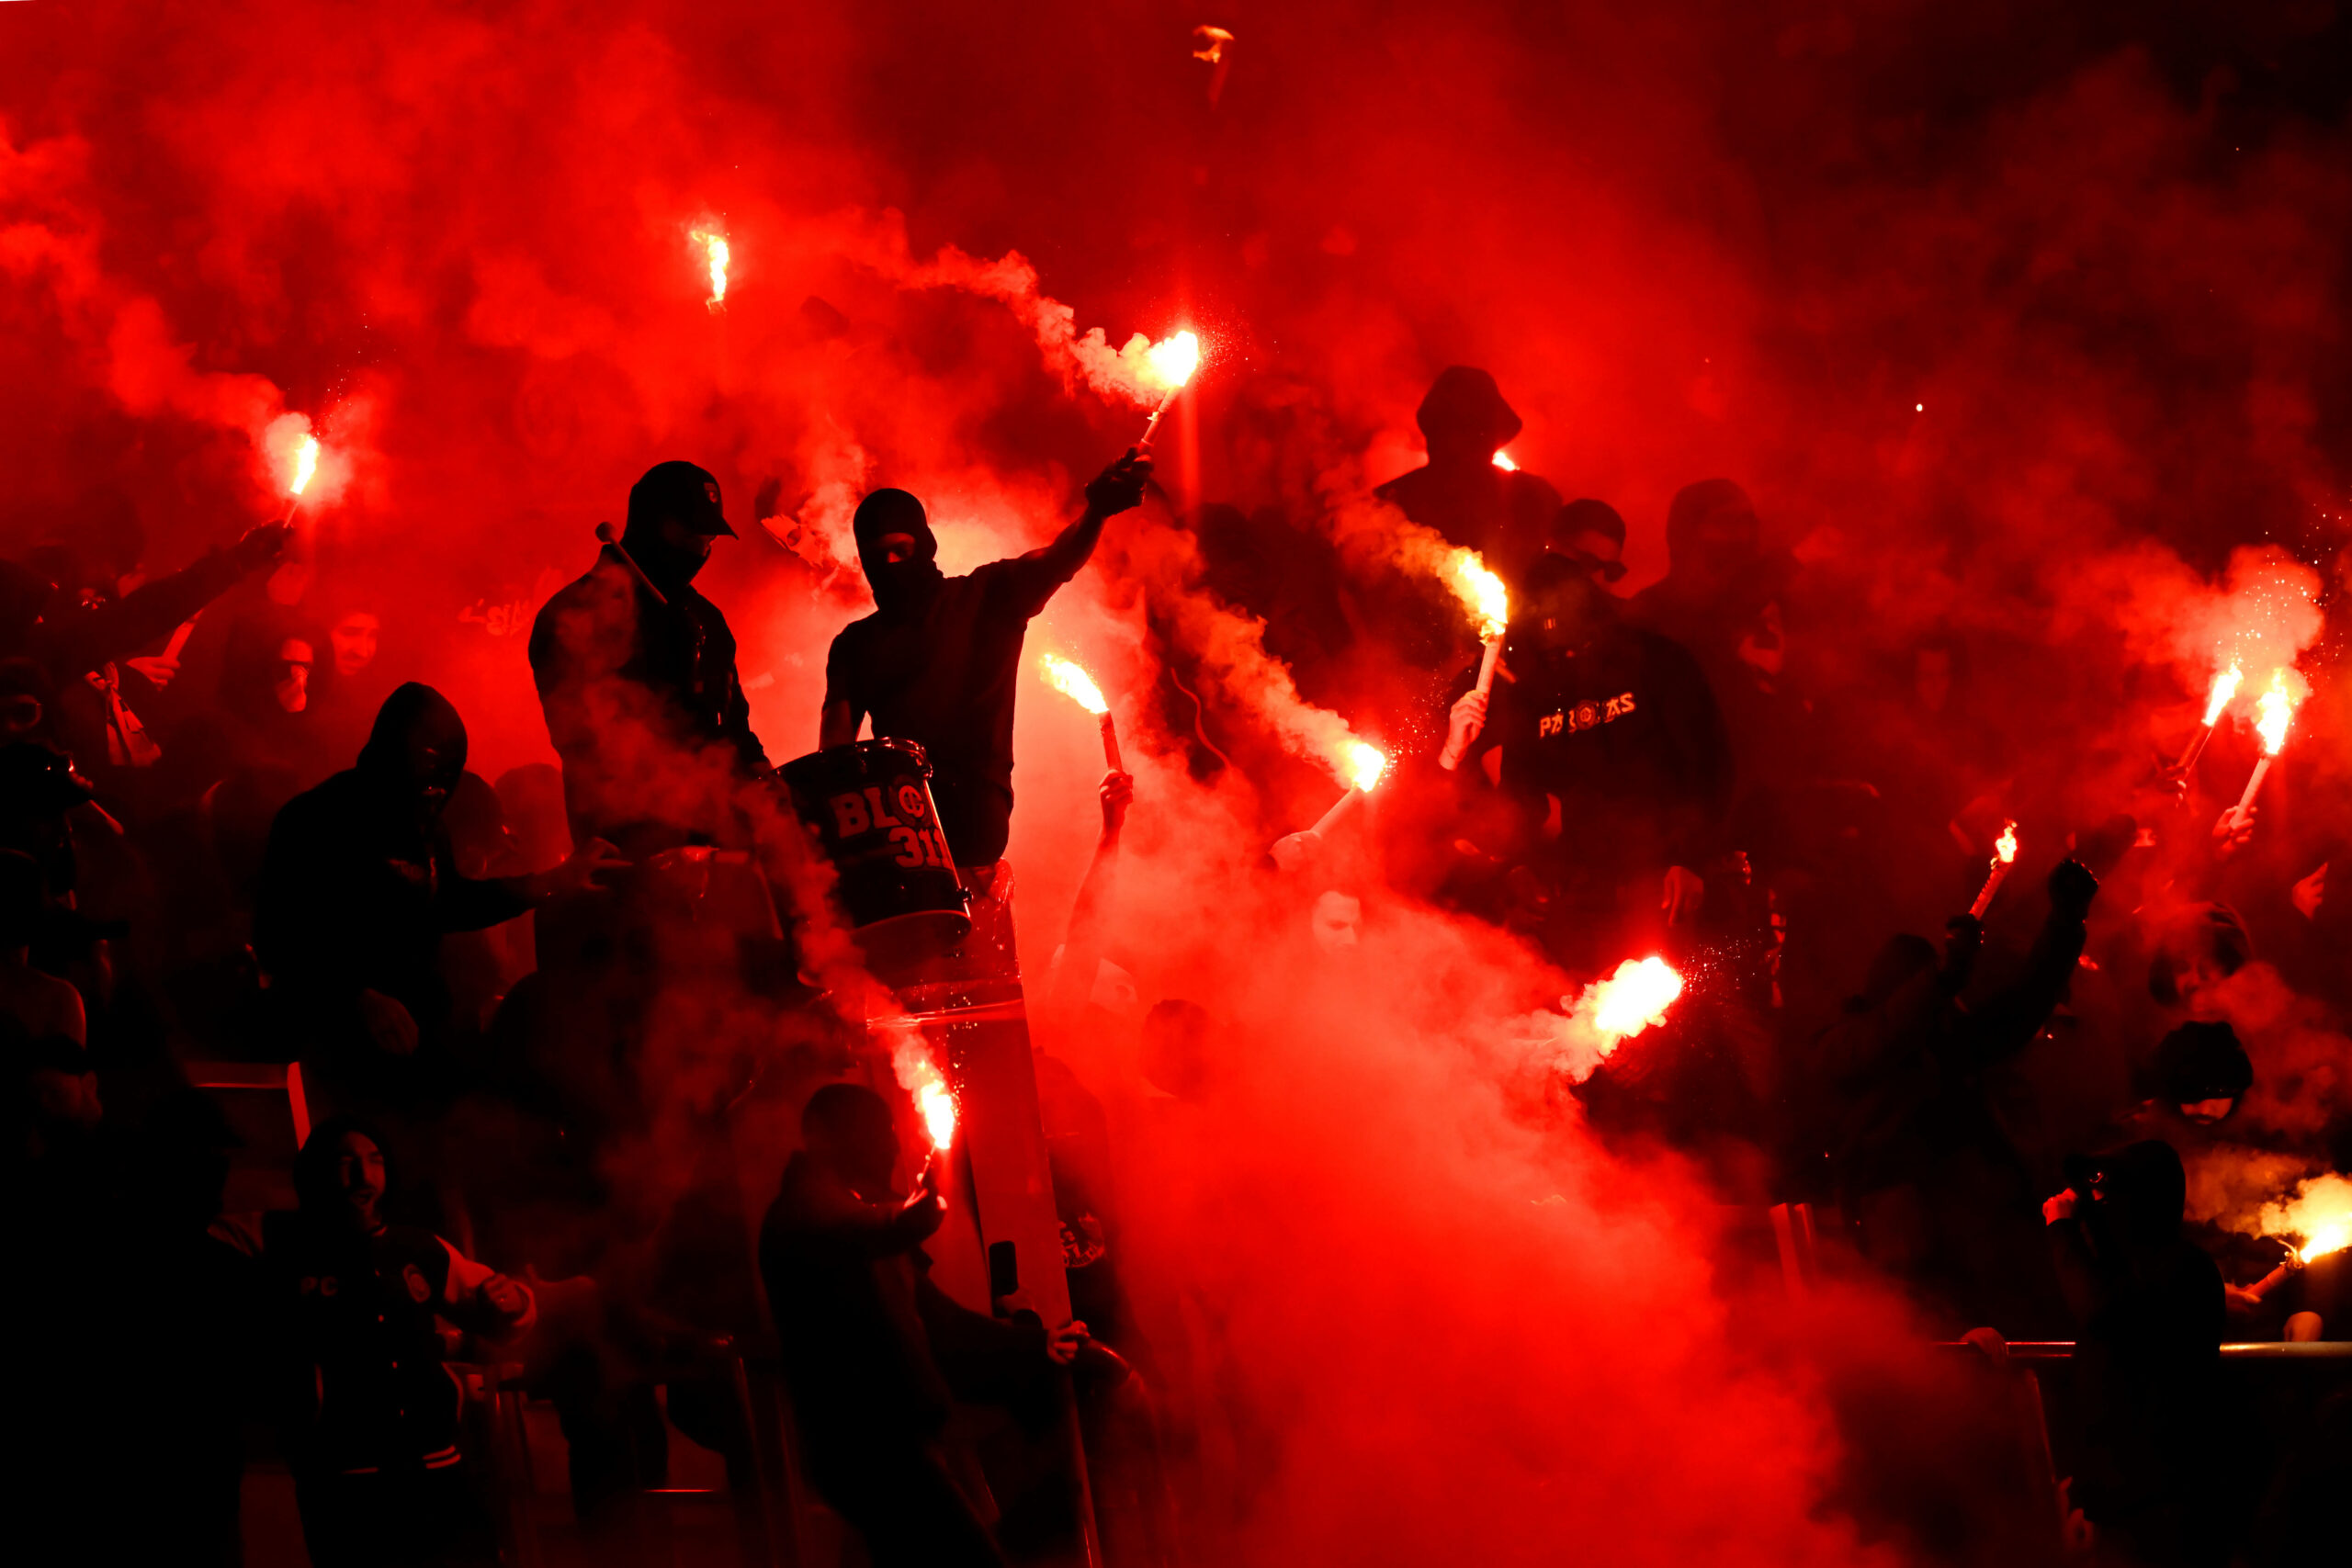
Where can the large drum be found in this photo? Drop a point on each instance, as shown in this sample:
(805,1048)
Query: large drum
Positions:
(870,805)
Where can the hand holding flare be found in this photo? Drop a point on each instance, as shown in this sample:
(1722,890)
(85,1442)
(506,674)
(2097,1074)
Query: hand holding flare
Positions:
(2004,854)
(1171,361)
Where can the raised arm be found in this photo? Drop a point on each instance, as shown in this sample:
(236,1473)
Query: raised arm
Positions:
(1090,916)
(150,611)
(1116,488)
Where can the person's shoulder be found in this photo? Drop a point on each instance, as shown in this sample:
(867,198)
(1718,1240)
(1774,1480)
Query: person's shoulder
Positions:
(320,800)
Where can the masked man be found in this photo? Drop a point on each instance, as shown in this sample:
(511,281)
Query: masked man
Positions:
(939,660)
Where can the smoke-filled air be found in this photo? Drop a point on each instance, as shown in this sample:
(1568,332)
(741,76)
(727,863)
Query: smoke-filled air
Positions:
(1149,786)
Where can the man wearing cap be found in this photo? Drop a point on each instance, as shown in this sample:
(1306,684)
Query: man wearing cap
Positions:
(937,661)
(1591,533)
(636,672)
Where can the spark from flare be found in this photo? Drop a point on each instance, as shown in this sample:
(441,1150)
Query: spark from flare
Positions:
(714,250)
(1503,461)
(919,1075)
(306,462)
(1073,682)
(1481,591)
(2318,1216)
(2225,686)
(1365,765)
(2273,709)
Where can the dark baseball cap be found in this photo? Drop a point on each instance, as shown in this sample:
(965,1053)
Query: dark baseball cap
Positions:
(683,490)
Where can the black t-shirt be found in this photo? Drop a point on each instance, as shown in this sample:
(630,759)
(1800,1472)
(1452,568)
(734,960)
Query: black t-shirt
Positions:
(943,674)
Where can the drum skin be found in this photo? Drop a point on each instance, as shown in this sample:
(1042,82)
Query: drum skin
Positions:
(869,803)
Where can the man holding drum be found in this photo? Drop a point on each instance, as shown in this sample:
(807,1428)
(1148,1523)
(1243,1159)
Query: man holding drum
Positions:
(939,660)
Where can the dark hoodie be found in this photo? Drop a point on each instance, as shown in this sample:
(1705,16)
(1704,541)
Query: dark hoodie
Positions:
(359,883)
(939,660)
(2150,1315)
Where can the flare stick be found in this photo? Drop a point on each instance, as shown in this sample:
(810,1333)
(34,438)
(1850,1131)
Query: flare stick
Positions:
(611,535)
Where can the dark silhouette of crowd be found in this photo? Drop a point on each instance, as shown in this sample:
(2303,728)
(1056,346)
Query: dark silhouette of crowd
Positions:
(480,1002)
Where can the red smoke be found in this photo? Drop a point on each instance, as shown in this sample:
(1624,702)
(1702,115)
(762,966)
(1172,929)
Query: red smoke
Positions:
(2022,339)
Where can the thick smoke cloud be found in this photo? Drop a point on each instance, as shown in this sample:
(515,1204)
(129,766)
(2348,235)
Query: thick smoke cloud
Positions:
(2011,323)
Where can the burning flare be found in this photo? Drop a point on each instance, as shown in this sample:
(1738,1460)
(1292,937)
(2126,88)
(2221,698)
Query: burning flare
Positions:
(714,249)
(1171,361)
(1365,765)
(1074,684)
(2225,686)
(2004,848)
(2272,711)
(1481,591)
(2319,1215)
(1632,999)
(919,1075)
(306,462)
(1503,461)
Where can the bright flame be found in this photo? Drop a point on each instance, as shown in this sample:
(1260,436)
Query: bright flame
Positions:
(1172,360)
(910,1060)
(938,1113)
(2004,848)
(1503,461)
(715,248)
(1074,684)
(2225,686)
(2319,1213)
(1632,999)
(306,462)
(1365,764)
(2272,710)
(1480,589)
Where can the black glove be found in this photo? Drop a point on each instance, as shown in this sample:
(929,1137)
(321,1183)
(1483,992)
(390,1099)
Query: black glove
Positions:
(261,545)
(1119,488)
(2072,888)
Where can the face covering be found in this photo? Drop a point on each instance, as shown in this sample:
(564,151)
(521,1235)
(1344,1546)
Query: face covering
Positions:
(899,586)
(416,753)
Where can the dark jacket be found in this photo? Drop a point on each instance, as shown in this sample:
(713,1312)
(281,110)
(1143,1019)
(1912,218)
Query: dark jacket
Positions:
(631,686)
(874,1351)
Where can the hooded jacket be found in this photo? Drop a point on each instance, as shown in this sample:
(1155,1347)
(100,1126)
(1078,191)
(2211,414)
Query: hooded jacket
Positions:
(358,884)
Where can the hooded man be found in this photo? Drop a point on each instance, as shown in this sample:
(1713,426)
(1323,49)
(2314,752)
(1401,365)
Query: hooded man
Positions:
(1502,513)
(939,660)
(637,676)
(1713,547)
(360,884)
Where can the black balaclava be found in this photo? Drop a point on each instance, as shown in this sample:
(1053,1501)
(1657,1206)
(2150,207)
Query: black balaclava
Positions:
(2202,1061)
(2142,1190)
(416,753)
(1693,508)
(899,586)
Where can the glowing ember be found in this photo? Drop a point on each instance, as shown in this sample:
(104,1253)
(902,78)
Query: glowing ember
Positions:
(2272,710)
(1172,360)
(910,1060)
(2319,1215)
(306,462)
(2004,848)
(1632,999)
(1365,764)
(715,248)
(1074,684)
(1503,461)
(1481,591)
(2225,686)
